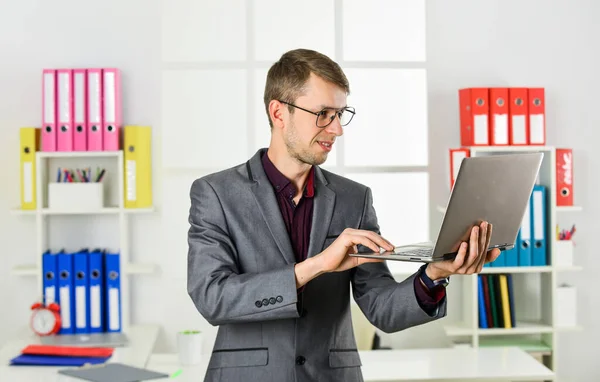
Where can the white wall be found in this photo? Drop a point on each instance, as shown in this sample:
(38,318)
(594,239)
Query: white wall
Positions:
(529,43)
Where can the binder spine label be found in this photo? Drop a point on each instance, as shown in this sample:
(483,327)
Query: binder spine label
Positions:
(49,98)
(538,205)
(113,308)
(109,97)
(519,129)
(28,182)
(481,129)
(94,97)
(536,126)
(65,307)
(79,96)
(95,314)
(501,129)
(49,295)
(130,171)
(81,308)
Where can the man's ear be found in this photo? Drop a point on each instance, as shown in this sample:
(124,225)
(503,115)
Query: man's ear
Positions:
(276,110)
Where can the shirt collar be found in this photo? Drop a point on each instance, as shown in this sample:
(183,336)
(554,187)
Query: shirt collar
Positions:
(279,181)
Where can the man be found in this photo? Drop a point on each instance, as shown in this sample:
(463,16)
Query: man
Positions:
(269,242)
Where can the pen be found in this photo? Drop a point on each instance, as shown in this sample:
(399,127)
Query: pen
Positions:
(175,374)
(100,176)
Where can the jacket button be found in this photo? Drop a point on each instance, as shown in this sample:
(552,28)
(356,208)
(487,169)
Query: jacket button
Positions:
(258,304)
(279,299)
(272,300)
(300,360)
(265,302)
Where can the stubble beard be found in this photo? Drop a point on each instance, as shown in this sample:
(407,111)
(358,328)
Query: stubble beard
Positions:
(292,143)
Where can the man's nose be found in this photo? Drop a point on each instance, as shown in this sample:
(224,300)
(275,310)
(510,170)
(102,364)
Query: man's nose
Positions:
(335,127)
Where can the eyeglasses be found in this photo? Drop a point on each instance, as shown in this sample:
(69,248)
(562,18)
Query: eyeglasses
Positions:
(327,115)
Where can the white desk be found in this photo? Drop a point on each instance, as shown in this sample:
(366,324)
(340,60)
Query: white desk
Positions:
(442,365)
(141,343)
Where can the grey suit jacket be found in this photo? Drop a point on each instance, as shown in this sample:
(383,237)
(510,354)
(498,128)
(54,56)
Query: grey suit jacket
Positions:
(241,278)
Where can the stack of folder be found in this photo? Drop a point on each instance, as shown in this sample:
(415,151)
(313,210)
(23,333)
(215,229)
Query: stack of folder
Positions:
(46,355)
(87,287)
(502,116)
(531,247)
(81,109)
(496,301)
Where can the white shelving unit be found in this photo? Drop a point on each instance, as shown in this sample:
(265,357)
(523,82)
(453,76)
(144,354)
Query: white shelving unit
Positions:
(43,214)
(536,333)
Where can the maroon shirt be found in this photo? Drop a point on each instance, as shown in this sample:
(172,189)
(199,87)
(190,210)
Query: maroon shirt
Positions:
(298,222)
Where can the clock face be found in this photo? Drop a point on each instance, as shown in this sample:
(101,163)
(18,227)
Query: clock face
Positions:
(43,321)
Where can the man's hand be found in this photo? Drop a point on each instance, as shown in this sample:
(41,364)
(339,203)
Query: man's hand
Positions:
(335,257)
(471,256)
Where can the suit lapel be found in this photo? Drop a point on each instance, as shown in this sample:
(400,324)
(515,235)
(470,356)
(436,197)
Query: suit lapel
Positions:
(324,201)
(267,203)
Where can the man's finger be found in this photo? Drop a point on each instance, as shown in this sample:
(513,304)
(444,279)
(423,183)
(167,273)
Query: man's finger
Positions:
(356,239)
(377,239)
(459,259)
(383,242)
(473,249)
(484,240)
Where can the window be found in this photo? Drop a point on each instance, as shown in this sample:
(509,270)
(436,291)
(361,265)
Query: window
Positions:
(227,48)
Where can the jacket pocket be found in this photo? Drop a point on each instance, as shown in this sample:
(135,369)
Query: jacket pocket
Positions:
(239,357)
(344,358)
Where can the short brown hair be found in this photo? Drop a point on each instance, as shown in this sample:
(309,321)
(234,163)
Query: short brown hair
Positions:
(286,78)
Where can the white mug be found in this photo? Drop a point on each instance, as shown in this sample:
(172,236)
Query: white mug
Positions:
(189,344)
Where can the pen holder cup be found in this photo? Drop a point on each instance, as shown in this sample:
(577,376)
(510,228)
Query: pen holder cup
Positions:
(189,345)
(75,196)
(564,253)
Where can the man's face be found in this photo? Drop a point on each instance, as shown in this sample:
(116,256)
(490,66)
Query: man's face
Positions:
(306,142)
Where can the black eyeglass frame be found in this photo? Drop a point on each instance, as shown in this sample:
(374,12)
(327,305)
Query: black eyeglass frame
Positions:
(348,109)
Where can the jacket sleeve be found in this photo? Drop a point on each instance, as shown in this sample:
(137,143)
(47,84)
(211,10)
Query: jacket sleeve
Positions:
(389,305)
(219,291)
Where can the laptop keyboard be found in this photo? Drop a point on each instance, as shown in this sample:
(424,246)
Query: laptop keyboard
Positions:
(425,252)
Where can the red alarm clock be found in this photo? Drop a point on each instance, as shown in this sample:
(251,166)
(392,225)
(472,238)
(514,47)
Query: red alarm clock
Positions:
(45,320)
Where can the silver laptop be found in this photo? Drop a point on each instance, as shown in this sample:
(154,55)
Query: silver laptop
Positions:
(492,188)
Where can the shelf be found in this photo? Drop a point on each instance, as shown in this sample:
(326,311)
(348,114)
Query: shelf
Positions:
(139,210)
(568,268)
(576,328)
(25,270)
(509,149)
(521,328)
(77,154)
(458,330)
(103,211)
(18,211)
(516,269)
(129,269)
(529,345)
(139,269)
(569,208)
